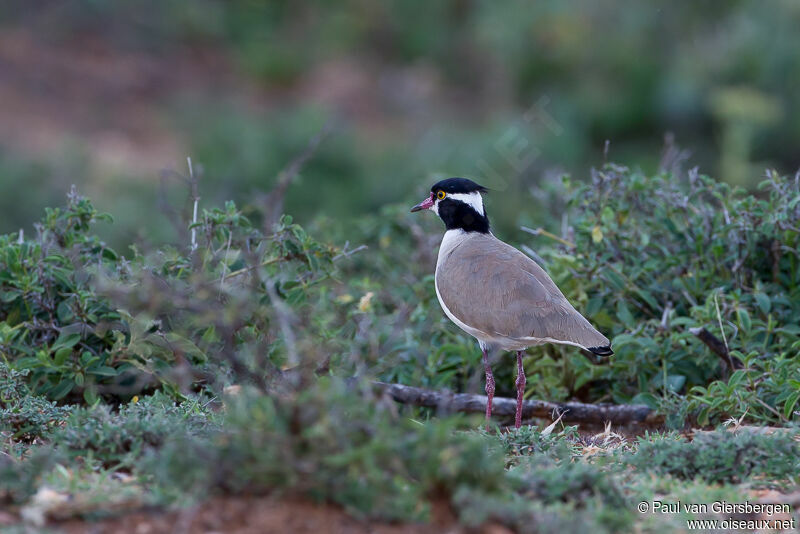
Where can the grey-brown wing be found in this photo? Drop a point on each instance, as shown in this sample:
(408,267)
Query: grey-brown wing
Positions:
(493,287)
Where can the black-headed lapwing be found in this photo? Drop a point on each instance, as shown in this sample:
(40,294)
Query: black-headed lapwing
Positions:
(494,292)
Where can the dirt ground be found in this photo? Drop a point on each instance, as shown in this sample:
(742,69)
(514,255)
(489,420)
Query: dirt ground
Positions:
(246,515)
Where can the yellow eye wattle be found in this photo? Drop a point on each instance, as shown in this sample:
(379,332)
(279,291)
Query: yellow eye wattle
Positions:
(440,195)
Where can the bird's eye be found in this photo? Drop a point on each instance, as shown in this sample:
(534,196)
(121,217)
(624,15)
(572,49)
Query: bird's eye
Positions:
(440,195)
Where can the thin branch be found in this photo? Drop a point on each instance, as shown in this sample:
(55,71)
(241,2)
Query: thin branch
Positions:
(195,199)
(664,325)
(347,253)
(225,259)
(252,267)
(717,347)
(286,318)
(274,200)
(532,253)
(542,231)
(771,409)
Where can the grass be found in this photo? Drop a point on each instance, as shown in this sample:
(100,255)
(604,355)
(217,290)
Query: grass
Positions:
(337,445)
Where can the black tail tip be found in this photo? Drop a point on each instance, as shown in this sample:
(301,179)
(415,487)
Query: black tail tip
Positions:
(601,351)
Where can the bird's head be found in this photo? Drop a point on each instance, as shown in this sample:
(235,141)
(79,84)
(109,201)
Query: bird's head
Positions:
(458,202)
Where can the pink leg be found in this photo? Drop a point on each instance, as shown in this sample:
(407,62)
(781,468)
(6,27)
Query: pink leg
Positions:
(520,390)
(489,386)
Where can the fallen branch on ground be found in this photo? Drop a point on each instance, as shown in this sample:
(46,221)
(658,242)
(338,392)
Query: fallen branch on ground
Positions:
(575,412)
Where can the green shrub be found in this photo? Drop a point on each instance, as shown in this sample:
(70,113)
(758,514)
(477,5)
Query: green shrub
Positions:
(549,496)
(646,259)
(52,322)
(19,478)
(577,482)
(721,456)
(531,441)
(118,438)
(81,320)
(25,416)
(527,516)
(329,442)
(656,255)
(236,310)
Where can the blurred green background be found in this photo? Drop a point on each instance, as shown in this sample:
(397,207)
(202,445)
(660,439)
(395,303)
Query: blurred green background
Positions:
(110,95)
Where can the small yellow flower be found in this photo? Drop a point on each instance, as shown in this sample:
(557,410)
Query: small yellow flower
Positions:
(366,302)
(135,399)
(597,234)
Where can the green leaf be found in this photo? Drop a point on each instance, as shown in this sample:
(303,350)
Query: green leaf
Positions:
(9,295)
(313,263)
(737,378)
(110,254)
(791,402)
(791,329)
(299,233)
(296,295)
(702,417)
(744,319)
(764,303)
(66,341)
(648,399)
(615,279)
(62,389)
(87,358)
(623,339)
(648,298)
(291,247)
(90,396)
(61,355)
(675,382)
(624,314)
(595,303)
(103,370)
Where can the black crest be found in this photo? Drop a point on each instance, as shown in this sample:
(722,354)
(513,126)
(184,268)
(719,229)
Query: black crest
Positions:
(458,185)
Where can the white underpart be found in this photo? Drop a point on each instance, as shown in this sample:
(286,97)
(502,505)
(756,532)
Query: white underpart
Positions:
(451,239)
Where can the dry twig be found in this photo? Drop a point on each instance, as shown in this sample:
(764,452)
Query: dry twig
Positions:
(273,203)
(717,347)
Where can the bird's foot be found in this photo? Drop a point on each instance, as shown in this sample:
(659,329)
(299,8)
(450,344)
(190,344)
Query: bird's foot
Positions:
(489,396)
(489,388)
(520,390)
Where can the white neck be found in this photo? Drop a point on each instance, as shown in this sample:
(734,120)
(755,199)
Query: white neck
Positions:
(450,240)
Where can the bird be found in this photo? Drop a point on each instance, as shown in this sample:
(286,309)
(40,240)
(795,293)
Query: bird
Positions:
(494,292)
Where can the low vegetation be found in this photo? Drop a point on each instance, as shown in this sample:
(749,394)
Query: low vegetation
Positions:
(240,362)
